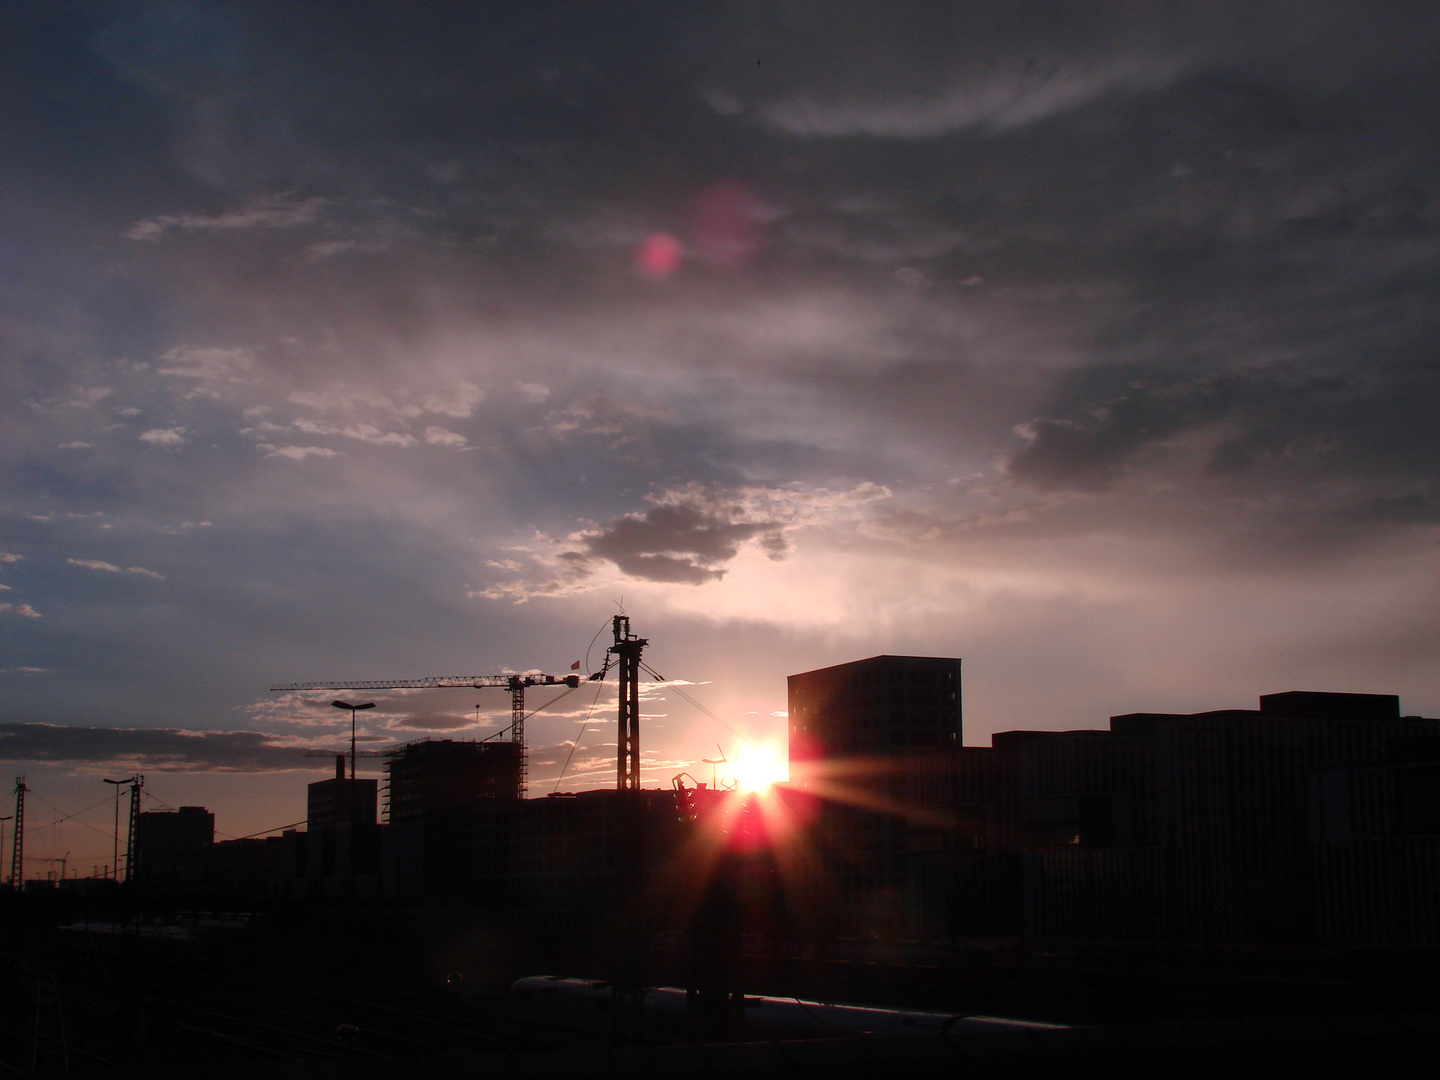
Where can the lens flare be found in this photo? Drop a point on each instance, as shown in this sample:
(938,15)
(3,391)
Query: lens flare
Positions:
(754,769)
(658,256)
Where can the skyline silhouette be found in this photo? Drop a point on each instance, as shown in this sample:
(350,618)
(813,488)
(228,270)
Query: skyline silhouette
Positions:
(1257,866)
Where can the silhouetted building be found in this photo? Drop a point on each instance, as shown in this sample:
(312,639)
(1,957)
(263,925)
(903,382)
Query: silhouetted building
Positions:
(560,861)
(342,849)
(1088,789)
(171,848)
(244,869)
(1238,803)
(1376,836)
(963,843)
(1313,818)
(1199,827)
(433,788)
(294,863)
(341,800)
(1088,806)
(852,727)
(884,706)
(441,776)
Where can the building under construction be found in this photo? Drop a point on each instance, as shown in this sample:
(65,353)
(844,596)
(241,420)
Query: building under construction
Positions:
(441,776)
(433,789)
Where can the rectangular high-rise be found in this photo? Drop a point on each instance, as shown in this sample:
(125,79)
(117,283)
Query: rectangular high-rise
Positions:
(886,706)
(341,800)
(852,729)
(171,847)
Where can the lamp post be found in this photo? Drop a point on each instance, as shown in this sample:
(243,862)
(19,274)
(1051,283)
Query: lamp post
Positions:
(8,817)
(115,863)
(353,710)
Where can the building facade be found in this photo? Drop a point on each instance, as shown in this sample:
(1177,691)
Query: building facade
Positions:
(885,706)
(853,727)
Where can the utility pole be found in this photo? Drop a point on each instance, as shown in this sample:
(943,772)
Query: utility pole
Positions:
(353,710)
(17,846)
(627,649)
(115,853)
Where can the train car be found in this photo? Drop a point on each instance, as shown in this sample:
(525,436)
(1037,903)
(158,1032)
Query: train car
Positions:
(589,1006)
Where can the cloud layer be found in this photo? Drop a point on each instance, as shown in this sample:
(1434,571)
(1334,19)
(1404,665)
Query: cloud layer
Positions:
(1094,344)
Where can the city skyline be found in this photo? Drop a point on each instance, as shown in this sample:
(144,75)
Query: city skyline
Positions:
(1093,345)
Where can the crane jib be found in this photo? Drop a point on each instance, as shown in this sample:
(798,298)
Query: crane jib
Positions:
(437,682)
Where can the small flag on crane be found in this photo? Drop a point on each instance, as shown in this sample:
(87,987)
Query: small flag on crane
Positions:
(575,666)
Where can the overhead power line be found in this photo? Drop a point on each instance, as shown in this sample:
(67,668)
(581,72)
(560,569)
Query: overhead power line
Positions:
(66,816)
(267,832)
(511,726)
(566,767)
(681,693)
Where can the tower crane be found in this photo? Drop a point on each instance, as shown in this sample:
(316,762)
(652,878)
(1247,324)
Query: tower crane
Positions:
(516,684)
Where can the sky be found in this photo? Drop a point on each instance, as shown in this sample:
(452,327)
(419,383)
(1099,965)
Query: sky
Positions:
(1094,344)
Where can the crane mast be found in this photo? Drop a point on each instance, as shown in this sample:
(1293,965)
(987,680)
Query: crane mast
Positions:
(627,649)
(132,852)
(17,846)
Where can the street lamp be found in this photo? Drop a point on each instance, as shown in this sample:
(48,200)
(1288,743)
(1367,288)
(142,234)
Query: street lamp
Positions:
(353,710)
(116,861)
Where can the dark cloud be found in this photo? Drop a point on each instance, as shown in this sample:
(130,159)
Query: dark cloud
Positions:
(678,542)
(1279,427)
(432,721)
(1088,450)
(156,748)
(1412,509)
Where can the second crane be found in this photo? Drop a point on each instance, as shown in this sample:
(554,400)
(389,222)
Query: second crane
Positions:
(516,684)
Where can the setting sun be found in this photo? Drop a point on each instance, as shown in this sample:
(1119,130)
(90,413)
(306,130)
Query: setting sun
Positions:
(756,768)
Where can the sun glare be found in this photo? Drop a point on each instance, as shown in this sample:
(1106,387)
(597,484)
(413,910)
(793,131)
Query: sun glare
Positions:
(756,768)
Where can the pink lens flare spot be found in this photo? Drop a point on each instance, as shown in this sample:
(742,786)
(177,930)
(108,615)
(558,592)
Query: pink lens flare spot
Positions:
(725,225)
(658,256)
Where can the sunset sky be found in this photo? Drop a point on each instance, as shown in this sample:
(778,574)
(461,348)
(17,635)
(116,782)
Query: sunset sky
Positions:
(1095,344)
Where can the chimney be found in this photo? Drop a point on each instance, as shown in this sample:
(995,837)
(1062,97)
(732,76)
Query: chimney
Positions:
(339,766)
